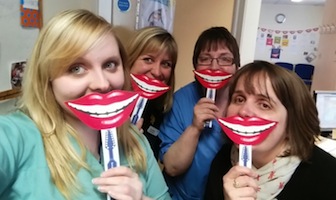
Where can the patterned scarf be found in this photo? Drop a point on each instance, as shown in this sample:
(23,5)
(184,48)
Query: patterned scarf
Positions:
(273,176)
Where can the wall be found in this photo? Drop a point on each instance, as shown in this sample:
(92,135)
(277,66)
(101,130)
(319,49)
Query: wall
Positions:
(190,20)
(16,42)
(51,7)
(324,75)
(245,24)
(298,17)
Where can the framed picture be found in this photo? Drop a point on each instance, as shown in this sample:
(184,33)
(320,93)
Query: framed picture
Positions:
(17,74)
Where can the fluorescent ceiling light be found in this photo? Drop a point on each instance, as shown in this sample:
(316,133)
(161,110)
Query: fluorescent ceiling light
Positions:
(296,0)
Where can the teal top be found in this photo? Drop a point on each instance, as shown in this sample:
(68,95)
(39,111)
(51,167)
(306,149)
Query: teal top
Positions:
(24,173)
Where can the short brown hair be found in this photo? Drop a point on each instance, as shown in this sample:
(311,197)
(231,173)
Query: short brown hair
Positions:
(302,118)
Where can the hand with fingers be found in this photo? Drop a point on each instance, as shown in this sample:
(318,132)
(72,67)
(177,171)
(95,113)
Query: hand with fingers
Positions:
(204,110)
(120,183)
(240,183)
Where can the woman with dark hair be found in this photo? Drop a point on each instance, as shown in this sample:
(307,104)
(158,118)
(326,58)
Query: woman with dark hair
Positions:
(188,147)
(286,164)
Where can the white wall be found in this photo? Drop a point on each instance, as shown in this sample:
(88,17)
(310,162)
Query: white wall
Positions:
(297,18)
(16,42)
(52,7)
(245,24)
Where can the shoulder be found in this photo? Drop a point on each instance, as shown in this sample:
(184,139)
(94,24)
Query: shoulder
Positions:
(18,123)
(139,136)
(313,179)
(189,88)
(323,160)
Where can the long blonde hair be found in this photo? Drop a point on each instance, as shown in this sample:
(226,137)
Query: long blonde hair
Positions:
(155,39)
(66,37)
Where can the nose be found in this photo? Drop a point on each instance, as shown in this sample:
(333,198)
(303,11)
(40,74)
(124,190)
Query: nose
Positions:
(245,110)
(214,64)
(156,71)
(99,82)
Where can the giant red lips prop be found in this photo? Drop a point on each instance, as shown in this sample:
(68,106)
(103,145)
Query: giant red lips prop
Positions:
(246,132)
(104,111)
(212,80)
(148,89)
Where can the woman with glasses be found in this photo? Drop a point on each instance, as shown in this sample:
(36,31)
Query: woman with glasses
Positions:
(188,146)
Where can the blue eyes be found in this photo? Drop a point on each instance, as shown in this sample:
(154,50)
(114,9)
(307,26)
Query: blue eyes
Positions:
(81,68)
(77,69)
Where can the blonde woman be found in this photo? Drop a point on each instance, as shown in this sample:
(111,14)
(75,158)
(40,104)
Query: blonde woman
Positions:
(153,52)
(46,151)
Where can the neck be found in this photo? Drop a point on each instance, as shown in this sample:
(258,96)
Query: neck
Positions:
(261,158)
(89,136)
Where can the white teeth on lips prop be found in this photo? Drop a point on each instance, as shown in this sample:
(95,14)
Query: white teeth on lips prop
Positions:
(104,111)
(213,79)
(247,131)
(148,88)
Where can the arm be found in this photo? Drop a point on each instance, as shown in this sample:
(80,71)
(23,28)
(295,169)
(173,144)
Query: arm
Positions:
(180,155)
(10,142)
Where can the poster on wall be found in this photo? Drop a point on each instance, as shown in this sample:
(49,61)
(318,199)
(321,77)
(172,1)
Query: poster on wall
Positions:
(17,74)
(155,13)
(30,14)
(283,45)
(275,52)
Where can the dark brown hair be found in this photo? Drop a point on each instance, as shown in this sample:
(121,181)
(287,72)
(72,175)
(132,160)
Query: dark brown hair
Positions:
(213,38)
(302,118)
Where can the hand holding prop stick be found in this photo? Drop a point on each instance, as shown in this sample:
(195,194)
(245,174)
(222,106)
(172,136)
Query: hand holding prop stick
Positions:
(148,89)
(246,132)
(105,112)
(212,80)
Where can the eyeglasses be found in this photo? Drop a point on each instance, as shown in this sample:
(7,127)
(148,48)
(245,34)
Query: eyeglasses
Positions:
(221,61)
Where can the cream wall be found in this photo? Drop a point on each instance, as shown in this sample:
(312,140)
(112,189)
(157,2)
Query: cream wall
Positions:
(191,18)
(52,7)
(324,75)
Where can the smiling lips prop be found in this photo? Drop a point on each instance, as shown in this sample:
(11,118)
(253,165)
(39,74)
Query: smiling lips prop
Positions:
(104,111)
(247,131)
(213,79)
(147,87)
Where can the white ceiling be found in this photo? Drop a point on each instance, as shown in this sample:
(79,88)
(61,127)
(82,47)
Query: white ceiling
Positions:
(304,2)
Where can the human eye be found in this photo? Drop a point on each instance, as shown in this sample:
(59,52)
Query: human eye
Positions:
(238,99)
(265,105)
(76,69)
(225,60)
(204,59)
(111,65)
(148,60)
(167,64)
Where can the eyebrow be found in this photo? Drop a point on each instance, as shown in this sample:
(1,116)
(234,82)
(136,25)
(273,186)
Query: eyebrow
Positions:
(222,54)
(260,95)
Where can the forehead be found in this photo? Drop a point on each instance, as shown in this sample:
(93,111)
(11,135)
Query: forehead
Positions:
(256,84)
(214,46)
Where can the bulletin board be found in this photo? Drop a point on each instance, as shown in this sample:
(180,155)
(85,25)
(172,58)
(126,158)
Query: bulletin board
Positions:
(20,22)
